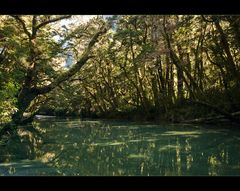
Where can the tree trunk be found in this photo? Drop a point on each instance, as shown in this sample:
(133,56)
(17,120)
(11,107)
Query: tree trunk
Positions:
(180,94)
(155,93)
(25,97)
(230,65)
(28,94)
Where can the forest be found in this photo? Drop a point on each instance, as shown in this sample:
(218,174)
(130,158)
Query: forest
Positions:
(161,68)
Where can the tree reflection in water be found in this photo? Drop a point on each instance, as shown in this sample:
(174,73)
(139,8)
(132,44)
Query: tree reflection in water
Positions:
(74,147)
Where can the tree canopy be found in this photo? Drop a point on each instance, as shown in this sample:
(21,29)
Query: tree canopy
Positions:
(171,67)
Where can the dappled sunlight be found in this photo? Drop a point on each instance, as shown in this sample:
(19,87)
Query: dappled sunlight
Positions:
(47,157)
(214,165)
(182,133)
(137,156)
(58,72)
(149,139)
(78,147)
(108,144)
(168,147)
(134,141)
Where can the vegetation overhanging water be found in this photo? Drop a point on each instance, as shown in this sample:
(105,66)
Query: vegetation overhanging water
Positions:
(162,68)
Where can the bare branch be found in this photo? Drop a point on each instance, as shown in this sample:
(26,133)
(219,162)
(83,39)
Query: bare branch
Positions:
(34,23)
(3,50)
(17,18)
(52,21)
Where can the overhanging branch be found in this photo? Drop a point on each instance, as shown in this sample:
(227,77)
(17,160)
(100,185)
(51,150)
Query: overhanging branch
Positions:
(77,66)
(52,21)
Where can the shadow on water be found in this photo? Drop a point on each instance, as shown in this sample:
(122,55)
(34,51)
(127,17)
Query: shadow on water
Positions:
(75,147)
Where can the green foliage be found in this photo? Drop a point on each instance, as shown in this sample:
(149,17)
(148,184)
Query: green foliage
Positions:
(134,71)
(146,65)
(7,101)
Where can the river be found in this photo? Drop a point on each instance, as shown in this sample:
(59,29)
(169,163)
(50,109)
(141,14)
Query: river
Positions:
(120,148)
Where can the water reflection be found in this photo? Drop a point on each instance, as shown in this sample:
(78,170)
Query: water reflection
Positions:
(74,147)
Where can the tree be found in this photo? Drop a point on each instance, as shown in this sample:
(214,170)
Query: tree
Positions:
(150,66)
(37,57)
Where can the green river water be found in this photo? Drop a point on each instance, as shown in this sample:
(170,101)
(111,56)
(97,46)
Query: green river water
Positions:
(113,148)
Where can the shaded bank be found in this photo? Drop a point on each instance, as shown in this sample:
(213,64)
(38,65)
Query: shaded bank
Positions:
(173,68)
(182,112)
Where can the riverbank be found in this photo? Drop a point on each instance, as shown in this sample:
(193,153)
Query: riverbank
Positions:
(182,115)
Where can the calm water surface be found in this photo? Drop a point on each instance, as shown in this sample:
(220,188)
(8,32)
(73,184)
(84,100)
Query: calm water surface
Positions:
(76,147)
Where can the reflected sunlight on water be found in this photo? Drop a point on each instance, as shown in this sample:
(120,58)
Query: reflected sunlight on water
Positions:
(75,147)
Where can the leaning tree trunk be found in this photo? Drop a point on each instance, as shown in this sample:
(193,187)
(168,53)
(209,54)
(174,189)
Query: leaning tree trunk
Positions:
(25,97)
(28,94)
